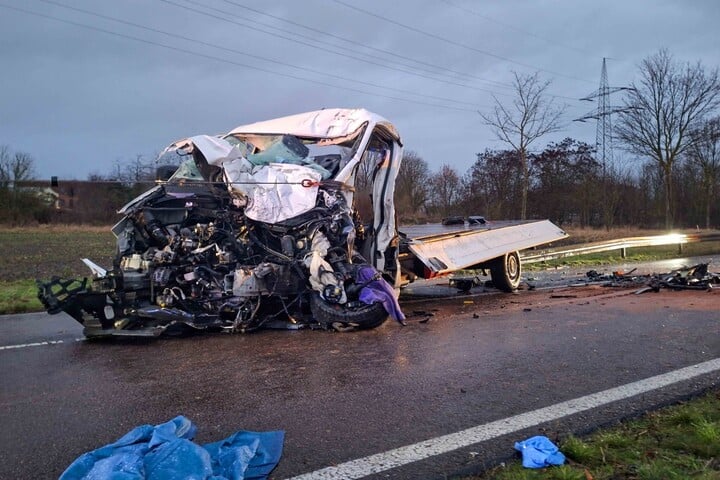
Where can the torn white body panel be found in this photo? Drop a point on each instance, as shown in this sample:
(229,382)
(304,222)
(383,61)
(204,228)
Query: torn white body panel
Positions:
(97,270)
(271,193)
(215,150)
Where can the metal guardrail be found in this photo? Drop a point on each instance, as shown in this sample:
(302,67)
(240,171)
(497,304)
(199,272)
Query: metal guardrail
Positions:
(679,239)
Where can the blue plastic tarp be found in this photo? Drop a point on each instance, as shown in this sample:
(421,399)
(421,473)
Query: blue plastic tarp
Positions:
(167,452)
(539,452)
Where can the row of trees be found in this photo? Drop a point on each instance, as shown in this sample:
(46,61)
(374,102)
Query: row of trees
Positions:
(25,200)
(567,184)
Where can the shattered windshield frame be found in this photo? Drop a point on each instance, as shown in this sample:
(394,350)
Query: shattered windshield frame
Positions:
(187,170)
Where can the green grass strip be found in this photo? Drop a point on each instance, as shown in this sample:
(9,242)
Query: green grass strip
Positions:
(679,442)
(19,296)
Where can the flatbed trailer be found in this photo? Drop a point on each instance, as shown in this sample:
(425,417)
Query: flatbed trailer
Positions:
(433,250)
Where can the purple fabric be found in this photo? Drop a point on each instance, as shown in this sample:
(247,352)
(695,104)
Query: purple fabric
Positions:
(376,289)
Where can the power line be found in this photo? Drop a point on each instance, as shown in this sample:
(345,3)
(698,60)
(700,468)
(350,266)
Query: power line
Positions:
(453,42)
(324,49)
(223,60)
(411,72)
(256,57)
(512,27)
(369,47)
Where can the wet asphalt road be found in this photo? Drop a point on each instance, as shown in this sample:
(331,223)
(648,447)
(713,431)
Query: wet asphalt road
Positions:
(345,396)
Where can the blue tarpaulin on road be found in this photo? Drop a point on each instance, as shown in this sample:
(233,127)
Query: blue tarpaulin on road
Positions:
(539,452)
(166,452)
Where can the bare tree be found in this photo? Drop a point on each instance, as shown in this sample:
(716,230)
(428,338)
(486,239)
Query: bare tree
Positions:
(139,170)
(567,176)
(411,189)
(15,167)
(705,154)
(5,156)
(23,166)
(662,108)
(530,116)
(20,202)
(492,184)
(446,189)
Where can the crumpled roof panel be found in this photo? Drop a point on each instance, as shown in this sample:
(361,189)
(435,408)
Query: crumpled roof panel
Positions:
(326,123)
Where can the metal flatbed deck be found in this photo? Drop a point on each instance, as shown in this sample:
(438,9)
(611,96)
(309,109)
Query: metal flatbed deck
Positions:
(446,248)
(431,230)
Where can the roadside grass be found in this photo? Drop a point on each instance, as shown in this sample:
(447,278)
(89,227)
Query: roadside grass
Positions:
(677,442)
(19,296)
(43,252)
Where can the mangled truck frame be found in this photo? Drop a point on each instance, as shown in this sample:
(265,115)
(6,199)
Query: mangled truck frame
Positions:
(284,223)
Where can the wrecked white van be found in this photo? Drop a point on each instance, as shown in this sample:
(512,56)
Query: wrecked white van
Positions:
(285,223)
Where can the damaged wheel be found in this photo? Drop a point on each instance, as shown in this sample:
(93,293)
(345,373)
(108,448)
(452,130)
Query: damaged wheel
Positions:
(350,316)
(505,272)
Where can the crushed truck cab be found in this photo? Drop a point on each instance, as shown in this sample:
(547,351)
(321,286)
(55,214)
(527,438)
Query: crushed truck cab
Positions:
(285,223)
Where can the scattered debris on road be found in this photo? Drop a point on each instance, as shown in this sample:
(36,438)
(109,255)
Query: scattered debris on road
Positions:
(696,277)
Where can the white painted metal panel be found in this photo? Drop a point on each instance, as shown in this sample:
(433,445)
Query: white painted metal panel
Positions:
(465,248)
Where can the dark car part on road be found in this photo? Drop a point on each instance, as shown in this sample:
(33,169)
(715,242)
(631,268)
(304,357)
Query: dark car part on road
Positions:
(454,220)
(476,220)
(696,277)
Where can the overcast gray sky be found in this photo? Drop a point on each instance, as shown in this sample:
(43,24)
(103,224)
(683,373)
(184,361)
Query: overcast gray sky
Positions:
(102,81)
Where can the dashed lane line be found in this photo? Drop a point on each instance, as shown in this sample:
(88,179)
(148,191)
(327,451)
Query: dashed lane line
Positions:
(398,457)
(37,344)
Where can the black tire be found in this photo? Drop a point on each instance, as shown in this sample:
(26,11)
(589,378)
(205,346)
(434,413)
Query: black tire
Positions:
(342,318)
(505,272)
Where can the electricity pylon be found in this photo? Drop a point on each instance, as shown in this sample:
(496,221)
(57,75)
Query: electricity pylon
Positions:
(604,138)
(603,116)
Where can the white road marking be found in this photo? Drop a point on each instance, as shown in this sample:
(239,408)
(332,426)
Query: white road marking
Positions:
(36,344)
(39,344)
(380,462)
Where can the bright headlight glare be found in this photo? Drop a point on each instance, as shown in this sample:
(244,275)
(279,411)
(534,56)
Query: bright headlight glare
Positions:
(669,239)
